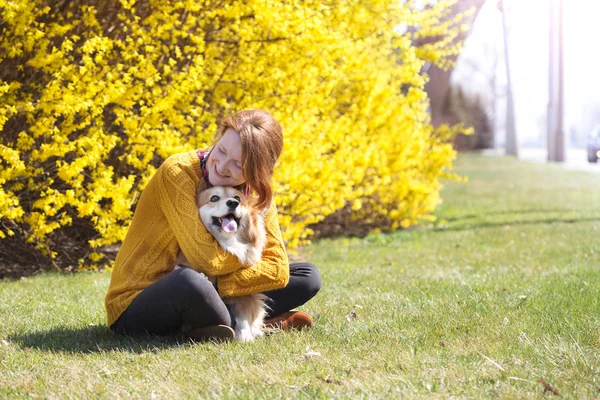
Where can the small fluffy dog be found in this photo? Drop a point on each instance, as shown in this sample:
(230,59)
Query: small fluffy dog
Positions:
(239,228)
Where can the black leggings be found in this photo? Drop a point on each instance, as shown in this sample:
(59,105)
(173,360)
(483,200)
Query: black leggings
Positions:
(185,296)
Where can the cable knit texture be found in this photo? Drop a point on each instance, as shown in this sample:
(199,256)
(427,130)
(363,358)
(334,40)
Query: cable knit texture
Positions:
(166,220)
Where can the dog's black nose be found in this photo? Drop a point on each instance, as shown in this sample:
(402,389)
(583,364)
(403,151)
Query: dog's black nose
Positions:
(232,204)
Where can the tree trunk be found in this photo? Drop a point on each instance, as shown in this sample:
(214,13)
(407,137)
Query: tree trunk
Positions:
(555,129)
(438,86)
(512,145)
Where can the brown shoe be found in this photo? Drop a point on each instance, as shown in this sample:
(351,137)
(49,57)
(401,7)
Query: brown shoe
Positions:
(288,320)
(215,333)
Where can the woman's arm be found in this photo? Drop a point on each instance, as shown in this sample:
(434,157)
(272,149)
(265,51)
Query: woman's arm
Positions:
(272,272)
(177,182)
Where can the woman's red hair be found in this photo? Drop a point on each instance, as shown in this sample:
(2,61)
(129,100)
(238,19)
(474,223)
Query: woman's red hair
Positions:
(262,143)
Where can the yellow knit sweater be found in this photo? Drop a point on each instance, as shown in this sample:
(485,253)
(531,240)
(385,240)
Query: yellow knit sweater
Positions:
(166,220)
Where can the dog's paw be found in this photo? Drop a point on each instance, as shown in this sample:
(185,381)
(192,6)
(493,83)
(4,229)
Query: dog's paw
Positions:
(253,256)
(244,335)
(256,332)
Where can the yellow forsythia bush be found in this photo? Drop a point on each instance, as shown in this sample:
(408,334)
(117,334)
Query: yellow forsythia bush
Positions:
(95,95)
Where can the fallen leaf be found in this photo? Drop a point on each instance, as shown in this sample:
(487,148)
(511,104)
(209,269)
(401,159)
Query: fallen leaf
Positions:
(549,388)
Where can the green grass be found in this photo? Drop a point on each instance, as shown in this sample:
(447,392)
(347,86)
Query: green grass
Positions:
(502,291)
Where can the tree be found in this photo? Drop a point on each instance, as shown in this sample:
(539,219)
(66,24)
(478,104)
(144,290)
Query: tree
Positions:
(438,84)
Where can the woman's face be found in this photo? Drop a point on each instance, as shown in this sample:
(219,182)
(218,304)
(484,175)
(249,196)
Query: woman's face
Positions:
(224,164)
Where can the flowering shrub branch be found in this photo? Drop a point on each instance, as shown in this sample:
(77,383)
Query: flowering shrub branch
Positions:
(94,95)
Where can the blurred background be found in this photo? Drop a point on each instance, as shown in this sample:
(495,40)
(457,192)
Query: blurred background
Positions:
(542,53)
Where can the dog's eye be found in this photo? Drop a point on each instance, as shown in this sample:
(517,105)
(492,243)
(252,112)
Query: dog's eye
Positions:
(214,198)
(237,198)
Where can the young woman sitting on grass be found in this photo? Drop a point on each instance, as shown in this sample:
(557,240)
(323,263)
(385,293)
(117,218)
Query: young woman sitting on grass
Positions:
(146,295)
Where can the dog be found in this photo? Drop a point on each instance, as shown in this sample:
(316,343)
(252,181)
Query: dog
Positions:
(239,229)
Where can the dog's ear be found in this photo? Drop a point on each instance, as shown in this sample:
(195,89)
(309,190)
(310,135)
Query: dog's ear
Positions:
(202,186)
(250,232)
(251,201)
(202,194)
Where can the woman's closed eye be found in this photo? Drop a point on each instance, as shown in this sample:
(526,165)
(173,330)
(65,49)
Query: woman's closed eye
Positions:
(237,164)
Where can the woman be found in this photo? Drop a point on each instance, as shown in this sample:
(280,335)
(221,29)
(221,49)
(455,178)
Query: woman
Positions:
(147,296)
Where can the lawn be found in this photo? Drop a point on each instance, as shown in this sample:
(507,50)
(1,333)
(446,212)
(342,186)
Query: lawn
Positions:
(498,298)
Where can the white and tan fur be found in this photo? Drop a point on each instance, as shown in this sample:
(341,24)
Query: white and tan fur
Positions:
(218,206)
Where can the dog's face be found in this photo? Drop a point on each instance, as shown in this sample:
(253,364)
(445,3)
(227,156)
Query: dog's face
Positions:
(222,209)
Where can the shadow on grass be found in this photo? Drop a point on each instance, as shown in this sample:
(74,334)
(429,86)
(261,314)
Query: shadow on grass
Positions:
(547,221)
(504,212)
(92,339)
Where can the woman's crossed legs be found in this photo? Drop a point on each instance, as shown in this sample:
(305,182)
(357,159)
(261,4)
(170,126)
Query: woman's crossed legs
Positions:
(187,297)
